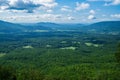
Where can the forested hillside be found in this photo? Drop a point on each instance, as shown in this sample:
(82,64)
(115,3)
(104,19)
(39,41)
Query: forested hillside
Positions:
(59,56)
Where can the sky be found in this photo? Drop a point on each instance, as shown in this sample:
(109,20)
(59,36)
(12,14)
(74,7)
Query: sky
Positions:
(59,11)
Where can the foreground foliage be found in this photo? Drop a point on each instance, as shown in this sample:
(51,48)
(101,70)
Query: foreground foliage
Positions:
(59,56)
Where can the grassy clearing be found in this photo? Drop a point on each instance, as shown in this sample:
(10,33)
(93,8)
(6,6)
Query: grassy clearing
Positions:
(27,47)
(71,48)
(2,54)
(91,44)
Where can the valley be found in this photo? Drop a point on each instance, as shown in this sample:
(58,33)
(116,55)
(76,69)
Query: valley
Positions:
(59,54)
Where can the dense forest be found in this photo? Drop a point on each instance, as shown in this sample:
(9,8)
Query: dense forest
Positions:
(60,55)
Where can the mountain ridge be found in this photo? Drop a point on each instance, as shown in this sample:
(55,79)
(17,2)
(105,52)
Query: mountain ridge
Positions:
(104,26)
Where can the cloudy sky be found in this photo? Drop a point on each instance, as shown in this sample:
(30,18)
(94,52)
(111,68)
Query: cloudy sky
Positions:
(60,11)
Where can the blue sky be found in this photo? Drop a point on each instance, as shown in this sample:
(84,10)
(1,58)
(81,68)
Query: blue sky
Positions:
(59,11)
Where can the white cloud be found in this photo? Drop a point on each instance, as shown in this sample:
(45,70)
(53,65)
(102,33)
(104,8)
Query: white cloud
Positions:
(58,16)
(39,18)
(66,8)
(34,18)
(3,7)
(107,2)
(91,17)
(47,3)
(18,11)
(112,2)
(92,12)
(116,2)
(49,16)
(82,6)
(49,11)
(115,15)
(70,18)
(29,5)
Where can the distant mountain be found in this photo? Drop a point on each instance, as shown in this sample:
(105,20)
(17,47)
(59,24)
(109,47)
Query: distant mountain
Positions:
(105,26)
(36,26)
(61,26)
(10,27)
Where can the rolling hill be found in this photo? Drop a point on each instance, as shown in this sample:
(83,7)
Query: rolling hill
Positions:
(105,26)
(10,27)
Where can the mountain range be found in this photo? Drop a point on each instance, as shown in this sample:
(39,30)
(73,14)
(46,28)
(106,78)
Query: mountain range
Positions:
(105,26)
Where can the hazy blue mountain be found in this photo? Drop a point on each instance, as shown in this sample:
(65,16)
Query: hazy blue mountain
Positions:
(10,27)
(36,26)
(105,26)
(53,26)
(61,26)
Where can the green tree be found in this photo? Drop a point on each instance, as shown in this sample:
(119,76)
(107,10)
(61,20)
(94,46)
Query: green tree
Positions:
(117,54)
(7,73)
(30,74)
